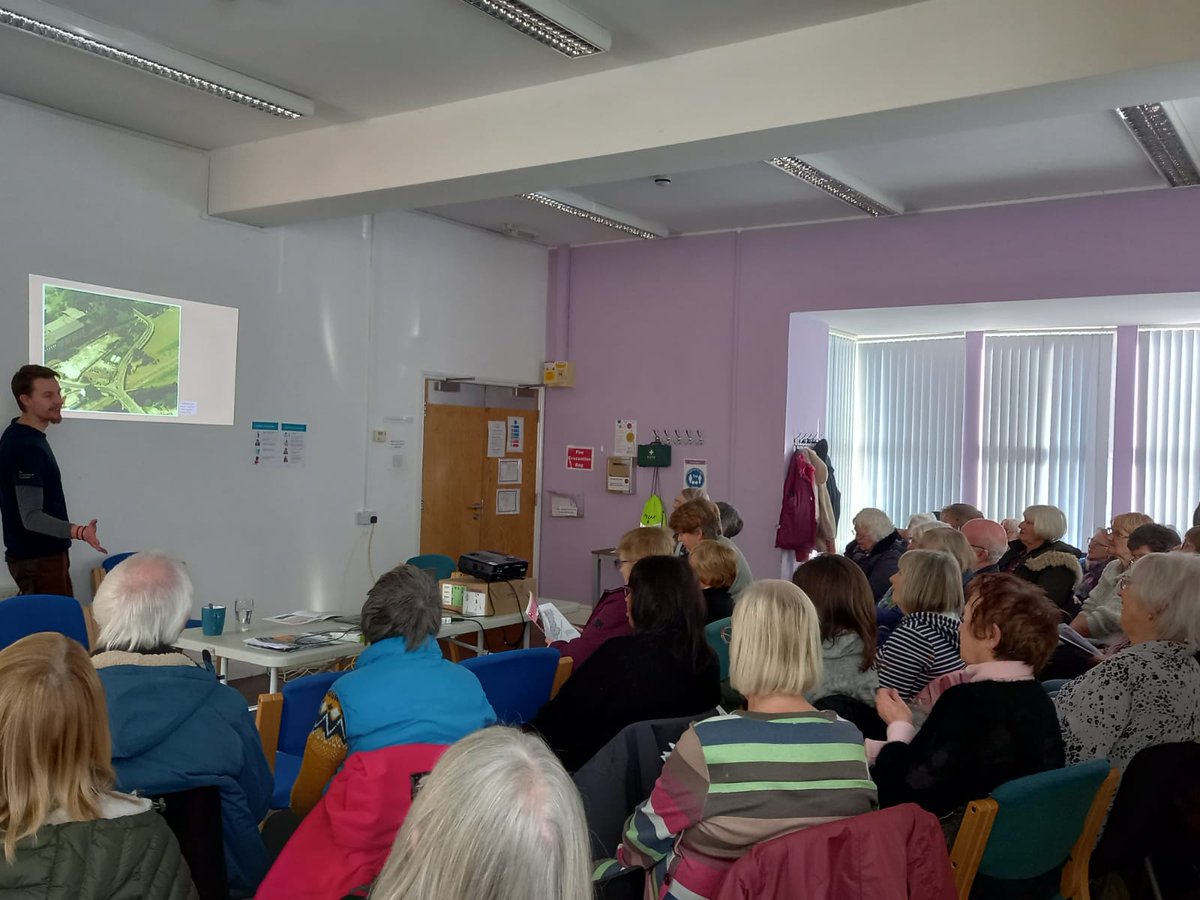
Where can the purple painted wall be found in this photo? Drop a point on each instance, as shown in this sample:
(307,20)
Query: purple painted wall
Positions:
(694,332)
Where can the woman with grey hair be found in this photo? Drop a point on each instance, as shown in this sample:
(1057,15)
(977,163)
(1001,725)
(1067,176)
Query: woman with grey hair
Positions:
(497,819)
(1039,555)
(174,726)
(1148,694)
(401,691)
(876,548)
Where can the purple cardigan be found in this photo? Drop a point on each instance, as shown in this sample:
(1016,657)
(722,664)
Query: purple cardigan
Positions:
(608,620)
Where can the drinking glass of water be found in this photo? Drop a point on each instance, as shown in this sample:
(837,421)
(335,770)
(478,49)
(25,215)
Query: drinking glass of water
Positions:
(243,609)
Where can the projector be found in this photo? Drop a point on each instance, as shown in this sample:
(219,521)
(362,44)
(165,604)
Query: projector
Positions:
(488,565)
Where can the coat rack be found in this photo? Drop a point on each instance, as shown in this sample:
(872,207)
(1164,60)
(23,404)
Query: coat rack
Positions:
(674,438)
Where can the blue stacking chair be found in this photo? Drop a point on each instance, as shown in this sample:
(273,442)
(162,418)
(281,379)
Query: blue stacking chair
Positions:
(109,562)
(712,634)
(517,682)
(300,704)
(28,614)
(439,563)
(1034,835)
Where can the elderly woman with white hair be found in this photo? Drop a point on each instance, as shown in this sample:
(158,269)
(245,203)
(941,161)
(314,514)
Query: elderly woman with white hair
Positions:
(497,818)
(174,725)
(1149,693)
(1039,555)
(735,780)
(876,548)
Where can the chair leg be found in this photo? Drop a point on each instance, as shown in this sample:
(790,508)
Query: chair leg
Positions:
(1152,878)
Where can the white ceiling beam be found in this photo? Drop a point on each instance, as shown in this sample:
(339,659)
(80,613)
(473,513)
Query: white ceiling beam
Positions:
(935,66)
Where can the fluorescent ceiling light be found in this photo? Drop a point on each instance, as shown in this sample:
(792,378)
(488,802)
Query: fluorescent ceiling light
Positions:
(835,187)
(1151,126)
(583,208)
(550,23)
(61,26)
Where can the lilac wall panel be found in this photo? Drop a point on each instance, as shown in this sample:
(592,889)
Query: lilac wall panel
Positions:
(695,331)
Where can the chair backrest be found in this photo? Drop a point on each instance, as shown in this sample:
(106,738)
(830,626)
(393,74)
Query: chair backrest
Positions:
(194,816)
(439,563)
(1022,837)
(109,562)
(712,634)
(28,614)
(566,666)
(517,682)
(301,704)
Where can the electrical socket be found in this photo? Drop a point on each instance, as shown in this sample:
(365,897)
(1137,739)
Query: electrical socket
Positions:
(366,517)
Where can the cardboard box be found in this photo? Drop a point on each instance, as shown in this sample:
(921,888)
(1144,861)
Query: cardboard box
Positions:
(486,598)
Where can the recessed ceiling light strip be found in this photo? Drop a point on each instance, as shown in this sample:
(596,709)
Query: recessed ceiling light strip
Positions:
(550,23)
(62,27)
(1153,129)
(798,168)
(590,216)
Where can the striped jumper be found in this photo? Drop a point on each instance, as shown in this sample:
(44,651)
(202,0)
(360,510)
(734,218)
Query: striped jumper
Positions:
(735,780)
(923,646)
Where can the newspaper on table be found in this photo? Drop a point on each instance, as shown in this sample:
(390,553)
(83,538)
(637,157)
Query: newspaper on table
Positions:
(302,617)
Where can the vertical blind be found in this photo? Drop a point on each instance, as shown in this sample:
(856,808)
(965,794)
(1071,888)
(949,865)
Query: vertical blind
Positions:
(908,417)
(1167,440)
(1047,425)
(839,425)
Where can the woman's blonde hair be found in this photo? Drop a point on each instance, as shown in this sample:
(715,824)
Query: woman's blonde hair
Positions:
(932,583)
(948,540)
(1125,523)
(776,642)
(498,818)
(715,563)
(55,749)
(642,542)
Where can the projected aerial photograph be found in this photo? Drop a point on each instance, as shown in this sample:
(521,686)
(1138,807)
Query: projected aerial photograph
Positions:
(113,354)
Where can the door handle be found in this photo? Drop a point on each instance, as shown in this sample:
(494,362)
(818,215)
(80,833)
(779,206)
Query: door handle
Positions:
(478,505)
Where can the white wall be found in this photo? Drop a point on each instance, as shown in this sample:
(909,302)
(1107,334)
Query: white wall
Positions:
(318,303)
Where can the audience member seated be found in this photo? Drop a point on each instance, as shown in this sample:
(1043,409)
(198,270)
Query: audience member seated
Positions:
(66,832)
(1149,693)
(715,565)
(1100,617)
(687,495)
(916,520)
(1191,541)
(846,615)
(876,548)
(401,690)
(990,722)
(1099,555)
(928,590)
(956,515)
(709,805)
(609,617)
(496,819)
(952,542)
(1038,555)
(988,543)
(664,670)
(174,725)
(1012,527)
(731,521)
(887,614)
(699,520)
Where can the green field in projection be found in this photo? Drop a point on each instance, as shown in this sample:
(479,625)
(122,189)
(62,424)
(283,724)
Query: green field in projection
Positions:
(113,354)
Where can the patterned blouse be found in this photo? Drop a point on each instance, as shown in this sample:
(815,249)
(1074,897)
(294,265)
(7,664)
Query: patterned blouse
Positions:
(1143,696)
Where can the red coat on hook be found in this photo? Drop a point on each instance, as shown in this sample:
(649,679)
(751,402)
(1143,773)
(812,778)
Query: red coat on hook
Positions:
(798,515)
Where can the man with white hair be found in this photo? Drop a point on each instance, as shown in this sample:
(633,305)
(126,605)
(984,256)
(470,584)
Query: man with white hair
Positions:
(174,725)
(988,541)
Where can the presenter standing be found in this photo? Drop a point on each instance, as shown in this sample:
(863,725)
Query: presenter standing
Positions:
(37,532)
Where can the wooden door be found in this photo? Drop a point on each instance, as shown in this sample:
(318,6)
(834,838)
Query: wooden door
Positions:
(452,479)
(507,532)
(459,484)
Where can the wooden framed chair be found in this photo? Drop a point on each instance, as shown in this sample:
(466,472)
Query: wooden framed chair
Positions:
(284,721)
(565,666)
(1034,835)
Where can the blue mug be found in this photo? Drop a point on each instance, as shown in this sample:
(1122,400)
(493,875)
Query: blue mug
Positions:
(212,620)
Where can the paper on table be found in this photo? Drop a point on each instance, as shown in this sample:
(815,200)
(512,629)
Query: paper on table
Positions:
(554,624)
(302,617)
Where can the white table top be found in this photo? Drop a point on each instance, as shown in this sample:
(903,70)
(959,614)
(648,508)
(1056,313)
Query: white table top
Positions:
(231,644)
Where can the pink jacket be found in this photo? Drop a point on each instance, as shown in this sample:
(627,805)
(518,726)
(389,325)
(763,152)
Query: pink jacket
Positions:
(608,620)
(798,514)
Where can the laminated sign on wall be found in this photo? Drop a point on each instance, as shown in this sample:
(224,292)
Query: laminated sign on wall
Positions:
(625,438)
(581,458)
(695,473)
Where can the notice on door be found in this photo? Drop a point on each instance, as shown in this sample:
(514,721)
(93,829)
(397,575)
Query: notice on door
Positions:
(581,458)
